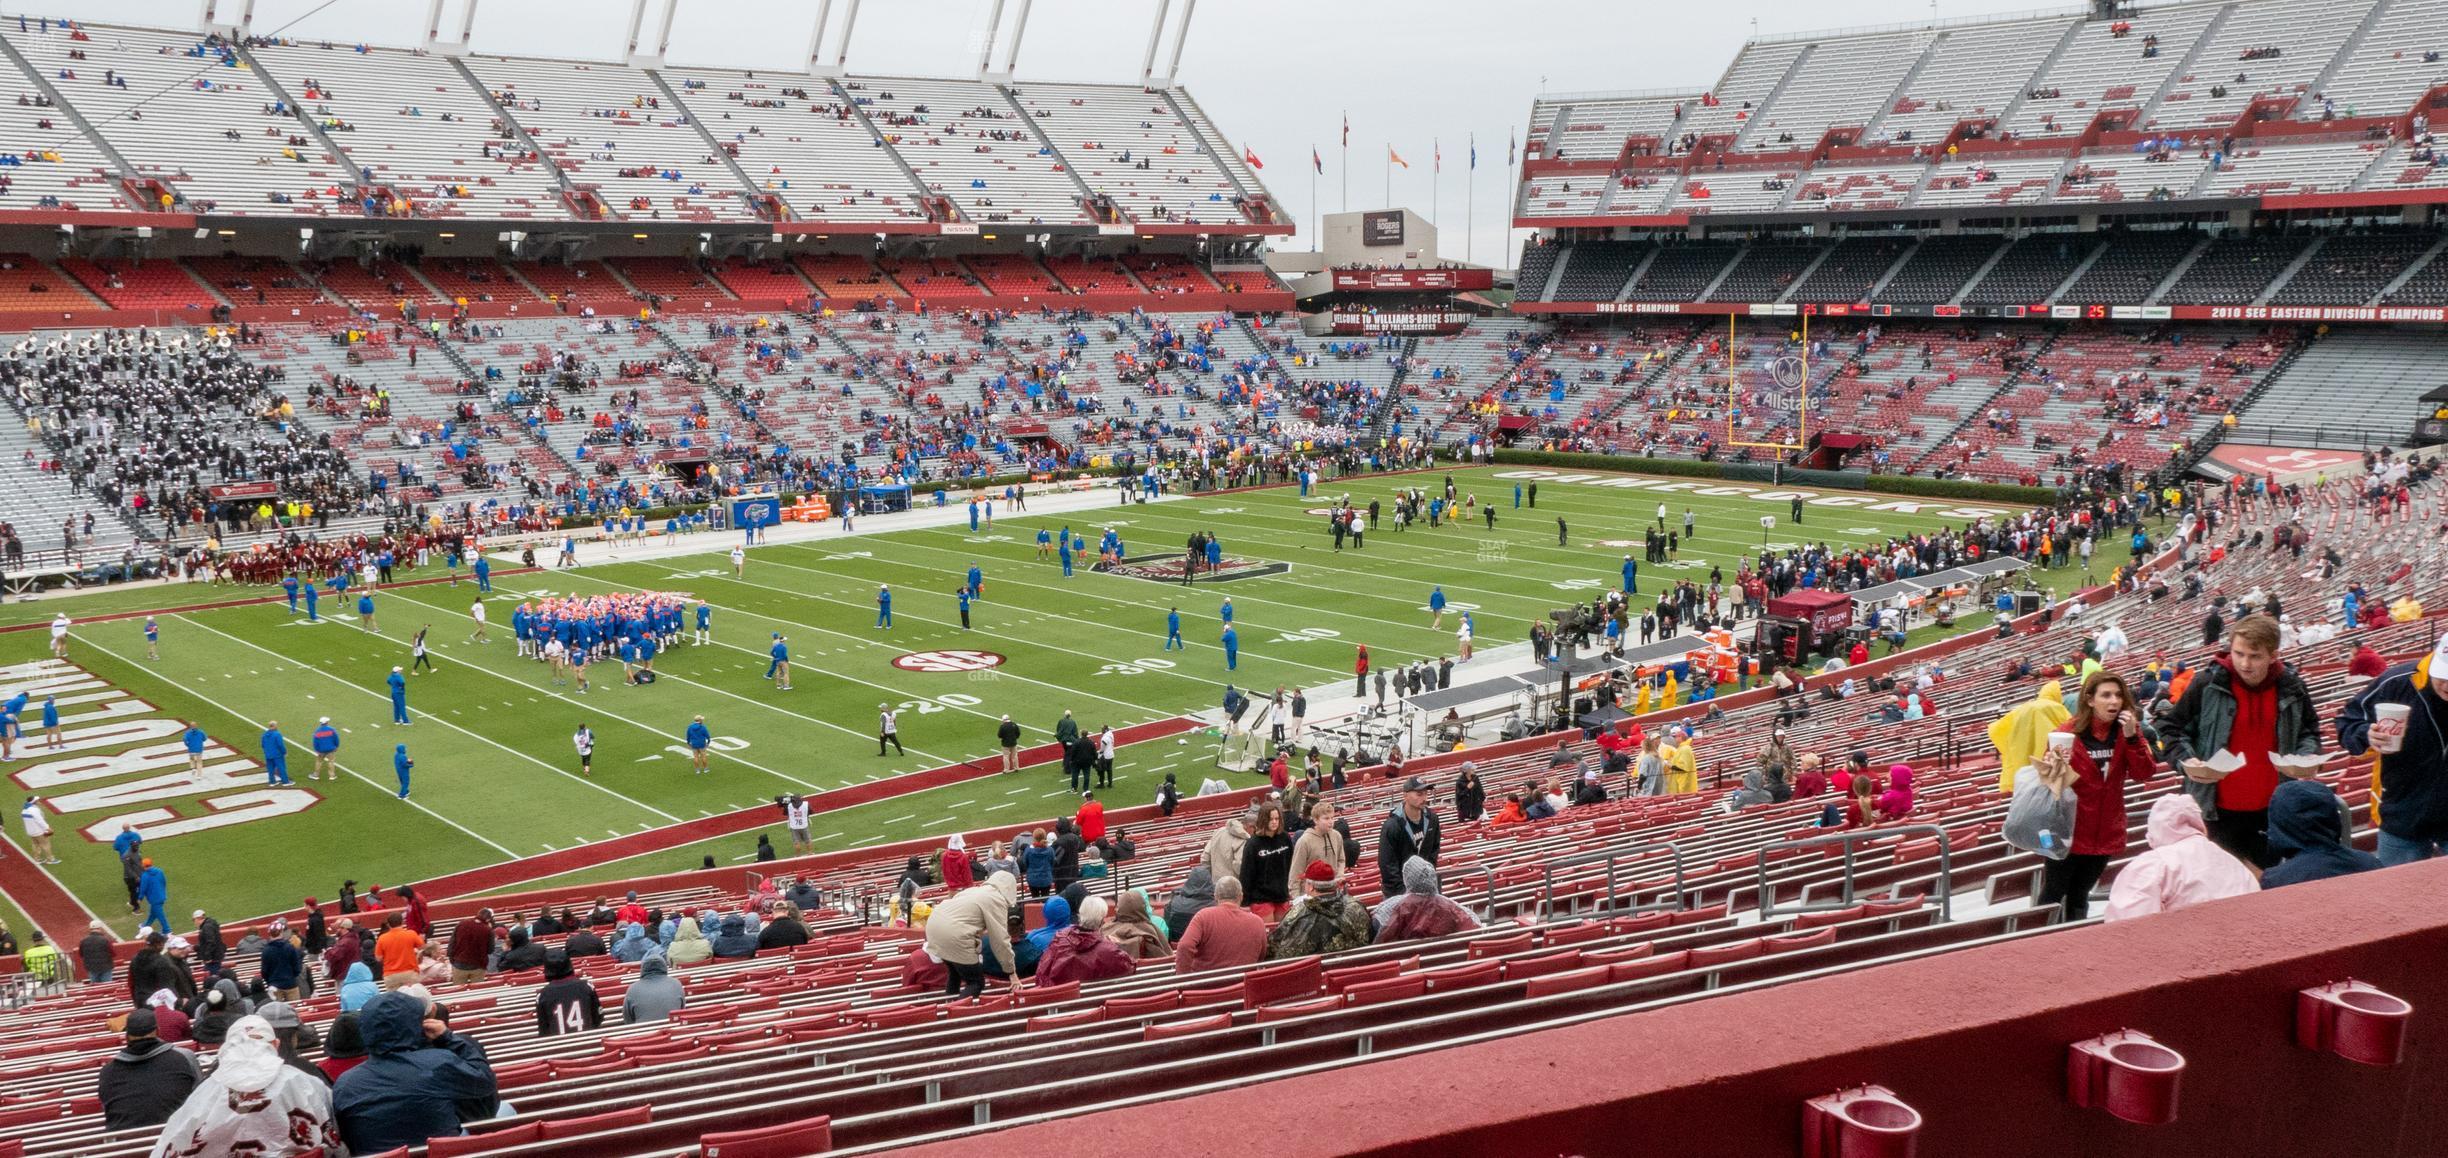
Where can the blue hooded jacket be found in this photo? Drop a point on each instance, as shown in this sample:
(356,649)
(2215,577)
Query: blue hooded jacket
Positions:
(2307,827)
(408,1089)
(357,988)
(1057,918)
(633,944)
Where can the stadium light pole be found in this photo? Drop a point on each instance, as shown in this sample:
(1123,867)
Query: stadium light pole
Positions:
(663,33)
(637,20)
(841,56)
(1147,64)
(1011,56)
(815,48)
(1181,36)
(994,25)
(467,23)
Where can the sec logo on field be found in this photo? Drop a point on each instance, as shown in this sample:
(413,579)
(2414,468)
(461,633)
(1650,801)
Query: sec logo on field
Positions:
(947,661)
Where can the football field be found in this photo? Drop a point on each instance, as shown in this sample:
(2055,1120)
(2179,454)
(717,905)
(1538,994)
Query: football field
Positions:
(496,776)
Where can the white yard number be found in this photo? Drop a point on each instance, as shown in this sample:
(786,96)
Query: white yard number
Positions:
(839,556)
(939,703)
(1135,667)
(717,743)
(986,538)
(709,573)
(1308,635)
(1566,585)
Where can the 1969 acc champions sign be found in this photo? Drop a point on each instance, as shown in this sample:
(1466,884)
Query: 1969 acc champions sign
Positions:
(947,662)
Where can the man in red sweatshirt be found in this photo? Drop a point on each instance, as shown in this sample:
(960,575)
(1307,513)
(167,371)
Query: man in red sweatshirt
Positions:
(471,947)
(2248,703)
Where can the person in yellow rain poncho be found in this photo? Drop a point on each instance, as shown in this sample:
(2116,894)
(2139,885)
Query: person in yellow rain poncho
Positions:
(1640,698)
(1667,693)
(2021,735)
(1682,766)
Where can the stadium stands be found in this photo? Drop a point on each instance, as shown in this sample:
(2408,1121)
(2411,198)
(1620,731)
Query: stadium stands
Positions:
(1937,269)
(610,129)
(443,151)
(1622,906)
(968,142)
(2353,387)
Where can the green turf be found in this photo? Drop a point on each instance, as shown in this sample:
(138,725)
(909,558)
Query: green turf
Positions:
(496,776)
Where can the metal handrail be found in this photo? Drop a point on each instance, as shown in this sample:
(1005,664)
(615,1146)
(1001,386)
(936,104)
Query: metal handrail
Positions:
(1946,868)
(1608,856)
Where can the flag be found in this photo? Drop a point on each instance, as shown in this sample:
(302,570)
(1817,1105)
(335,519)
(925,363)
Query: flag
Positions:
(1508,148)
(1347,129)
(1396,158)
(1316,162)
(1436,158)
(1474,161)
(1251,155)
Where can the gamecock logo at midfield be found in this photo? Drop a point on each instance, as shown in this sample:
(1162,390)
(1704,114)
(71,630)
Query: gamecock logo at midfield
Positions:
(947,661)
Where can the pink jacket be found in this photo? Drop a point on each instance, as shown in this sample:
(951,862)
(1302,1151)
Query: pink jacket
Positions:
(2181,869)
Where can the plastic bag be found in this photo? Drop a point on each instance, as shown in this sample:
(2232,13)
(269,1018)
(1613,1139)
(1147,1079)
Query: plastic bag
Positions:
(2039,820)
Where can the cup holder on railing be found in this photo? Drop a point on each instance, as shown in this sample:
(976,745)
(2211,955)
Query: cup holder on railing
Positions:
(2127,1074)
(1868,1122)
(2354,1021)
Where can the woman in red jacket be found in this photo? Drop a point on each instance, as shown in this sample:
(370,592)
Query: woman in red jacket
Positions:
(1360,673)
(2110,748)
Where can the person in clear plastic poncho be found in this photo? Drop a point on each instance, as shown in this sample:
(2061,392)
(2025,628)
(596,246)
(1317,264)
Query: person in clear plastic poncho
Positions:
(253,1103)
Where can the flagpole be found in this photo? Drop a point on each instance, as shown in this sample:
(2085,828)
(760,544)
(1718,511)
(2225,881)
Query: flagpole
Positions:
(1470,197)
(1313,213)
(1345,163)
(1436,179)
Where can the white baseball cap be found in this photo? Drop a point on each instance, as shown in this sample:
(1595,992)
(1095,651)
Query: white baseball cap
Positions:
(2438,664)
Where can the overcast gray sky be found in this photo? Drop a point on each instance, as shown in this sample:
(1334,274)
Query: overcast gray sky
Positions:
(1277,75)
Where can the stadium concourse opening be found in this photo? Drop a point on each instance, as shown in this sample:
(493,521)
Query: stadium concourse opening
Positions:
(554,563)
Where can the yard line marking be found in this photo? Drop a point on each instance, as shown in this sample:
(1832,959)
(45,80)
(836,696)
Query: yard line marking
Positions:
(1153,609)
(899,819)
(1005,804)
(555,770)
(1159,607)
(828,836)
(1015,792)
(294,743)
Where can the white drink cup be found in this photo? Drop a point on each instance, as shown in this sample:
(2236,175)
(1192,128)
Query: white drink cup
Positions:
(2388,727)
(2061,742)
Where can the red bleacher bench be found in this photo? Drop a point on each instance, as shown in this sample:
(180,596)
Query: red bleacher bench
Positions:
(1541,966)
(1122,1007)
(1157,1031)
(1275,983)
(518,1135)
(1568,981)
(1499,946)
(1674,962)
(790,1140)
(1453,977)
(1065,1020)
(1390,989)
